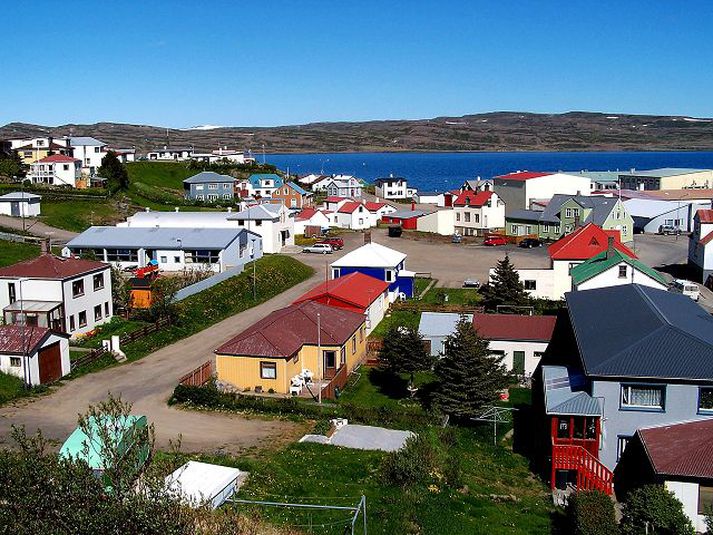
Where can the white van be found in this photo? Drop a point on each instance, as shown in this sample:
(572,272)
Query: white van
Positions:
(691,289)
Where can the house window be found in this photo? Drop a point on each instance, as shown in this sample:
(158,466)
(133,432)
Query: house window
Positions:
(477,218)
(621,443)
(643,397)
(622,272)
(389,276)
(212,186)
(164,259)
(258,223)
(513,229)
(71,324)
(15,362)
(241,222)
(563,427)
(361,333)
(78,288)
(202,257)
(122,255)
(335,273)
(226,196)
(467,217)
(568,212)
(82,318)
(97,313)
(11,292)
(343,357)
(268,370)
(458,217)
(176,259)
(65,167)
(705,499)
(354,345)
(106,308)
(98,281)
(705,399)
(518,362)
(530,285)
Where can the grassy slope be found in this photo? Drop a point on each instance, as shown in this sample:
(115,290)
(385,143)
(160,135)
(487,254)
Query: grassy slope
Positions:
(78,215)
(167,175)
(10,388)
(12,252)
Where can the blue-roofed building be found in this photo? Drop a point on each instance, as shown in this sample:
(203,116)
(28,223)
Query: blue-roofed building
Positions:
(259,185)
(643,356)
(210,187)
(435,327)
(292,196)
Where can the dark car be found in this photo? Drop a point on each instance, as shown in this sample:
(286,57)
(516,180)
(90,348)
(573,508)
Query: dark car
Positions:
(456,238)
(336,243)
(495,240)
(529,243)
(395,231)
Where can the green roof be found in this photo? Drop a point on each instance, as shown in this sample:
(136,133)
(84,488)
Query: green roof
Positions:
(600,263)
(75,445)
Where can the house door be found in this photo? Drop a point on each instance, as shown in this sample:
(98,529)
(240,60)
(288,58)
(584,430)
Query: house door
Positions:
(518,362)
(50,362)
(330,364)
(15,209)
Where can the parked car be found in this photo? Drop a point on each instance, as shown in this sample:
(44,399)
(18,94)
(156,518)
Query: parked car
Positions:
(322,248)
(334,242)
(668,230)
(457,238)
(691,289)
(529,243)
(395,231)
(495,240)
(471,283)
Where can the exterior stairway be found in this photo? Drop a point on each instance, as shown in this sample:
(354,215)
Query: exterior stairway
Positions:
(591,473)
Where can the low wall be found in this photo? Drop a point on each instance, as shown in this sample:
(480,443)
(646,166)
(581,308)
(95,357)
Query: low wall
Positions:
(207,283)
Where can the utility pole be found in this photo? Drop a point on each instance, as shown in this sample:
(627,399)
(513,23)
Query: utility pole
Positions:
(26,375)
(254,276)
(319,358)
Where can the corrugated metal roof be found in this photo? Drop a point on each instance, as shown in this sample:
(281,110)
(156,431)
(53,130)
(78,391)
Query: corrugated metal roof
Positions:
(208,177)
(355,289)
(12,336)
(440,323)
(665,171)
(155,238)
(564,394)
(586,242)
(86,141)
(48,266)
(371,255)
(19,196)
(407,214)
(641,332)
(681,450)
(514,327)
(607,260)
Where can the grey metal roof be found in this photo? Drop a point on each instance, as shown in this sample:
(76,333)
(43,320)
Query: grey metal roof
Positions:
(18,196)
(601,207)
(664,172)
(155,238)
(407,214)
(564,393)
(208,177)
(440,323)
(29,305)
(428,193)
(86,141)
(268,211)
(535,216)
(641,332)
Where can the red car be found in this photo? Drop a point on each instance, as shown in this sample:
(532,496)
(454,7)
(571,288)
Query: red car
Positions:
(336,243)
(495,240)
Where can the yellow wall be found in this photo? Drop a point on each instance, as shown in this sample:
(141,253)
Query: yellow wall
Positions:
(244,371)
(698,179)
(37,154)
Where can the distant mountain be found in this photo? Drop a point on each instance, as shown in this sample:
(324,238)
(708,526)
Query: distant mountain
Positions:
(498,131)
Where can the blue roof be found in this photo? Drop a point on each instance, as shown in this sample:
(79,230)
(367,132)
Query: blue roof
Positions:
(208,177)
(639,332)
(297,188)
(255,179)
(564,393)
(440,323)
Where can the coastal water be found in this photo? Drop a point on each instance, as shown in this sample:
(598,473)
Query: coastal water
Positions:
(443,170)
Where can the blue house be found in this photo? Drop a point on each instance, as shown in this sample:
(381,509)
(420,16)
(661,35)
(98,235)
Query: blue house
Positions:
(622,358)
(381,263)
(209,186)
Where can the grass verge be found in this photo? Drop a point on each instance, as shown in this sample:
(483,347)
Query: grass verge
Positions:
(78,215)
(12,252)
(406,318)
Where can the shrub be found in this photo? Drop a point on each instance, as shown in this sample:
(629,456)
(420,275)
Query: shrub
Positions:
(410,465)
(591,512)
(653,509)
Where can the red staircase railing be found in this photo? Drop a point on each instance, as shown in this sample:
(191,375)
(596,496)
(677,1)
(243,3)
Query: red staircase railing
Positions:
(591,473)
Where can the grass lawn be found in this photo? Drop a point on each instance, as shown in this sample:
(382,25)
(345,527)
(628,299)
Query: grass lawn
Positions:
(408,318)
(372,388)
(169,175)
(78,215)
(12,252)
(117,325)
(456,296)
(11,387)
(421,284)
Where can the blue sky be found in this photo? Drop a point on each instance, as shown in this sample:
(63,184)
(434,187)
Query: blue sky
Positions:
(184,63)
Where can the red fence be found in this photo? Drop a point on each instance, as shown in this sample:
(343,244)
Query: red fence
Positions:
(591,473)
(338,381)
(198,377)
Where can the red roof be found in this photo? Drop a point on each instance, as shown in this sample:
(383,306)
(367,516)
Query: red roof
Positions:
(334,199)
(514,327)
(58,158)
(354,289)
(680,449)
(472,198)
(48,266)
(522,175)
(586,242)
(284,332)
(707,239)
(374,206)
(11,337)
(705,216)
(349,207)
(306,213)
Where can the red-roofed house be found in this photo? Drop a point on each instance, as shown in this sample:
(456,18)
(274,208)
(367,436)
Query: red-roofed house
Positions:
(573,249)
(355,292)
(57,169)
(303,339)
(477,212)
(518,189)
(355,215)
(678,456)
(310,217)
(68,295)
(34,354)
(700,250)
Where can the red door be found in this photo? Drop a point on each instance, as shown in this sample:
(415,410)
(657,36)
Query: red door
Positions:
(50,361)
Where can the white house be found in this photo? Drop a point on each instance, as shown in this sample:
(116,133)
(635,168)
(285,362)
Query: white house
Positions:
(223,154)
(35,354)
(63,294)
(178,154)
(310,217)
(89,151)
(339,186)
(174,249)
(431,197)
(700,250)
(380,209)
(477,212)
(20,204)
(651,214)
(614,268)
(356,216)
(439,222)
(517,190)
(57,170)
(393,187)
(123,154)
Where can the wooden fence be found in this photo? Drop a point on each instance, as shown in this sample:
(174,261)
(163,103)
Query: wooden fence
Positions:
(337,382)
(420,306)
(198,377)
(88,358)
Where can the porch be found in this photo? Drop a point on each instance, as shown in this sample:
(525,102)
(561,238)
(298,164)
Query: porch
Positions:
(48,314)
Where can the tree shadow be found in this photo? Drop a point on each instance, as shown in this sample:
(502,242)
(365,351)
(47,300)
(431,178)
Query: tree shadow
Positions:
(677,271)
(389,384)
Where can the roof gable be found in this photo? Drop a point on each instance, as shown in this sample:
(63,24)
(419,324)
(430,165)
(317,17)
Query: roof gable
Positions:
(371,255)
(607,260)
(584,243)
(473,198)
(356,289)
(49,266)
(684,449)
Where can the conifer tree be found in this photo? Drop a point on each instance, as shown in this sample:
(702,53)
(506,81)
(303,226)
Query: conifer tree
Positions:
(504,287)
(404,352)
(115,173)
(469,376)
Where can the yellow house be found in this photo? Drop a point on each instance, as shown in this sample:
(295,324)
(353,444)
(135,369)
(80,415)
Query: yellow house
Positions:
(38,148)
(304,336)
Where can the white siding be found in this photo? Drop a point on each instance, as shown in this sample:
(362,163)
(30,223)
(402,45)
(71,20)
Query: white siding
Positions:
(687,493)
(611,277)
(439,222)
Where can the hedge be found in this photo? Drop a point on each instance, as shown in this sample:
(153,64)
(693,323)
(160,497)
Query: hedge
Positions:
(591,512)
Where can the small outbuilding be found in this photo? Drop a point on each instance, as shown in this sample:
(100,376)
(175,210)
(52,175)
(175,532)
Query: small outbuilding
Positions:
(43,352)
(197,483)
(20,204)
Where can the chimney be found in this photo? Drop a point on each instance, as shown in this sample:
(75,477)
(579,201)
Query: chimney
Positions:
(367,236)
(413,205)
(610,247)
(45,246)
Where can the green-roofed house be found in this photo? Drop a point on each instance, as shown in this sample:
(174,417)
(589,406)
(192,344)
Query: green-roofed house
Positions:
(612,268)
(90,449)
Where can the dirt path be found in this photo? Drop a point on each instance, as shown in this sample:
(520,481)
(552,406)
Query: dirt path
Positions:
(37,228)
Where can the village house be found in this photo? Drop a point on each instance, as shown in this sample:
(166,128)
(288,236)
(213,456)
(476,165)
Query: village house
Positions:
(381,263)
(68,295)
(169,154)
(431,197)
(209,186)
(436,327)
(477,184)
(124,155)
(33,150)
(651,215)
(477,212)
(438,222)
(355,215)
(223,155)
(407,219)
(57,170)
(517,190)
(34,354)
(667,178)
(310,218)
(355,292)
(393,188)
(569,251)
(20,204)
(307,339)
(173,249)
(700,250)
(614,268)
(340,186)
(293,196)
(89,151)
(258,185)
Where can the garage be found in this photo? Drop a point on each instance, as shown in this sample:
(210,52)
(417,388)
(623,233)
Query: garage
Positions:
(50,362)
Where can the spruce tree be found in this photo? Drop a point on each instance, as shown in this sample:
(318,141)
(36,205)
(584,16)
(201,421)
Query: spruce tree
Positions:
(504,288)
(403,351)
(115,173)
(469,376)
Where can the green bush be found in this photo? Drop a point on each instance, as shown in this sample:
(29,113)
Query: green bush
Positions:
(652,509)
(591,512)
(410,465)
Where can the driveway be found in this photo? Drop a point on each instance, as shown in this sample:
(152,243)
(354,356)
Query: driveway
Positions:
(37,228)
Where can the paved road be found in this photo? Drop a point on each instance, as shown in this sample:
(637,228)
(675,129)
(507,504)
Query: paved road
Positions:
(37,228)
